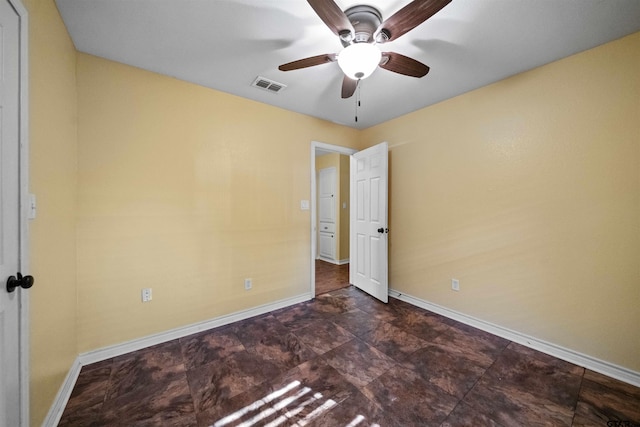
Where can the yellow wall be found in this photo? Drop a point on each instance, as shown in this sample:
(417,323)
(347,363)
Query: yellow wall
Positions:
(528,192)
(53,174)
(187,191)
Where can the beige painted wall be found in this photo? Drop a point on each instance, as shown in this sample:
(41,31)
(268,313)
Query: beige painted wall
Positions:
(528,192)
(53,178)
(187,191)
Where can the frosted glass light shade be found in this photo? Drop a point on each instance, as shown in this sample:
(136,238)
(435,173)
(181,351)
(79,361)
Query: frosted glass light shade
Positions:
(359,60)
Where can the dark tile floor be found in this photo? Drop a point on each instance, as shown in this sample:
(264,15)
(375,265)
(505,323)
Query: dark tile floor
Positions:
(330,277)
(345,359)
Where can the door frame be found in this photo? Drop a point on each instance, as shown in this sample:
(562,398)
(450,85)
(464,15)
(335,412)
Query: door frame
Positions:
(313,205)
(23,256)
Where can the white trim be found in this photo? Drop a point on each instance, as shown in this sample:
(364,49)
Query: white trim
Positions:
(606,368)
(327,147)
(60,402)
(333,261)
(24,195)
(56,410)
(140,343)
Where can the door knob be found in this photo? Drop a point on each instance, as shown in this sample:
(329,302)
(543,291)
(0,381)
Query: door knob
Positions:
(25,282)
(383,230)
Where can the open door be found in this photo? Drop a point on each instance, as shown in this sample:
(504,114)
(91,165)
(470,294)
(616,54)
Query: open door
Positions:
(369,228)
(13,330)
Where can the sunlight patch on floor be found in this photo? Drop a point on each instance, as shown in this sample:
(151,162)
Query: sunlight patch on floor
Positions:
(275,402)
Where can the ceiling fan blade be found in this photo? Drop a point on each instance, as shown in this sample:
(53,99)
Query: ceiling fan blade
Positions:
(348,87)
(332,16)
(403,65)
(308,62)
(407,18)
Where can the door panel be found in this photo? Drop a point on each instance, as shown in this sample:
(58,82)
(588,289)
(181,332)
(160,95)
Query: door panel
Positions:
(375,244)
(10,394)
(325,213)
(360,206)
(375,202)
(360,266)
(326,195)
(369,170)
(327,245)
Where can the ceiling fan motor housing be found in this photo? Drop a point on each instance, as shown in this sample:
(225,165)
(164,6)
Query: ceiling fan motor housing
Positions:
(365,20)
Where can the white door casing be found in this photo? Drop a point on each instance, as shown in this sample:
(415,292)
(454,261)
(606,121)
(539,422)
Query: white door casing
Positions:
(369,229)
(13,129)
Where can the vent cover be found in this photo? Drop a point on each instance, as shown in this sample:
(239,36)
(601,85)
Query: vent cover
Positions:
(268,84)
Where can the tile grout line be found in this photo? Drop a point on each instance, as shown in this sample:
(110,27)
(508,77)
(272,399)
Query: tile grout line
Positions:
(462,400)
(575,408)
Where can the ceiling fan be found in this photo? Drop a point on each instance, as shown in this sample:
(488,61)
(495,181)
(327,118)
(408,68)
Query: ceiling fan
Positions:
(360,29)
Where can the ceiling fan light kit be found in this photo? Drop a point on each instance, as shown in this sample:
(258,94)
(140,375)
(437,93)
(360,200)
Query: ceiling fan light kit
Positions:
(359,29)
(359,60)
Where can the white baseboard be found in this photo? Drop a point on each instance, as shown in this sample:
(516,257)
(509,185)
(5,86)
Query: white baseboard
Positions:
(56,410)
(140,343)
(577,358)
(59,403)
(334,261)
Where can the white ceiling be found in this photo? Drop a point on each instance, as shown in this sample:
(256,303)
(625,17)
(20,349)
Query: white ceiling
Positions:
(226,44)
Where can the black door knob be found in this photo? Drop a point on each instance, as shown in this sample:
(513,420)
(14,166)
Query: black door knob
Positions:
(25,282)
(380,230)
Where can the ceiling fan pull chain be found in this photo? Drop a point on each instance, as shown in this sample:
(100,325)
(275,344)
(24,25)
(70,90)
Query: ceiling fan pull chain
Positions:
(358,98)
(357,103)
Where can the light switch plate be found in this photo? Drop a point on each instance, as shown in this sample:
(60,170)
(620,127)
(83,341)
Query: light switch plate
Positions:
(304,205)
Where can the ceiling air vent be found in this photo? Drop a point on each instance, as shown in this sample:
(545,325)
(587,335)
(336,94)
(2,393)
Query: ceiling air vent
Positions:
(268,84)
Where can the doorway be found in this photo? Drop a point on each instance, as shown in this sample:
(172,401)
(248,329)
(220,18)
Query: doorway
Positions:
(368,212)
(331,270)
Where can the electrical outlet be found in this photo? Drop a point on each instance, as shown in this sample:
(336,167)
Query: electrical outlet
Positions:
(455,285)
(146,294)
(247,284)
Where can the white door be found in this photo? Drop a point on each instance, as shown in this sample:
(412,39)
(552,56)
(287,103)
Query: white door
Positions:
(369,232)
(327,195)
(327,246)
(10,392)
